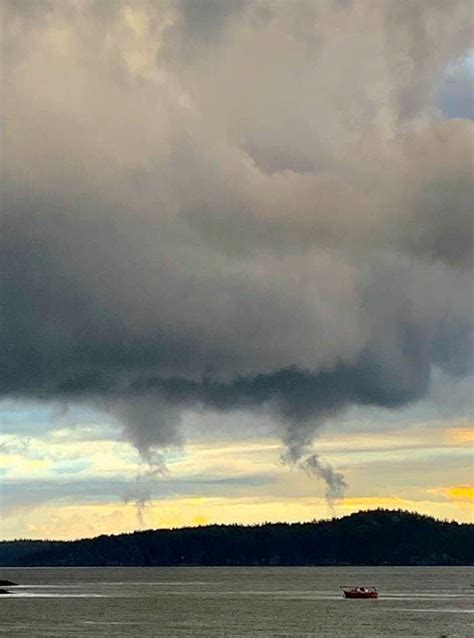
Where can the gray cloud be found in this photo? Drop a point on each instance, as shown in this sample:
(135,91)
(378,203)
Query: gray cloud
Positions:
(254,205)
(15,494)
(334,480)
(456,95)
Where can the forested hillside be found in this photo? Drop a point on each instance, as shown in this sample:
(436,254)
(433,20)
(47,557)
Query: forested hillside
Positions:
(378,537)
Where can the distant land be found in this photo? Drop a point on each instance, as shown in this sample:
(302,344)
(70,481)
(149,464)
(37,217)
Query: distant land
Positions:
(376,537)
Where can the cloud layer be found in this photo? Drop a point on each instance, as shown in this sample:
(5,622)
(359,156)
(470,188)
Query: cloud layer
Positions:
(233,205)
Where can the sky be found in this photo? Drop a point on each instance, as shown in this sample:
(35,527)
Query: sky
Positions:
(236,257)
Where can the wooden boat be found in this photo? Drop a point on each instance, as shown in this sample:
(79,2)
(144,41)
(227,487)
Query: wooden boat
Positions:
(359,592)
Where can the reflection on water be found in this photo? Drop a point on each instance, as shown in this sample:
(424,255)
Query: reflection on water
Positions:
(261,602)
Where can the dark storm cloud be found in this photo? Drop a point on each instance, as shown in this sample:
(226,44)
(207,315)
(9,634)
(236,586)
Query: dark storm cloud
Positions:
(233,205)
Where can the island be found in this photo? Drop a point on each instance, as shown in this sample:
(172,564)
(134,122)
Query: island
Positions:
(375,537)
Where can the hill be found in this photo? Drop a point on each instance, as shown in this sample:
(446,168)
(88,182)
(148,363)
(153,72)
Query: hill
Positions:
(377,537)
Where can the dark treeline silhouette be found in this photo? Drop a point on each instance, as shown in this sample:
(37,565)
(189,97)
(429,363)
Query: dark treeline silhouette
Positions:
(378,537)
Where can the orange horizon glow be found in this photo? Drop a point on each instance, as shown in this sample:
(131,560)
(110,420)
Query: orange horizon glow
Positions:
(72,522)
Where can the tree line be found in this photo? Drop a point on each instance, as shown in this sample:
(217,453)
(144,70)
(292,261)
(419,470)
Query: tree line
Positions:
(377,537)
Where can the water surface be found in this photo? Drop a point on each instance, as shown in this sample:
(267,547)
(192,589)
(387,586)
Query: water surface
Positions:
(237,601)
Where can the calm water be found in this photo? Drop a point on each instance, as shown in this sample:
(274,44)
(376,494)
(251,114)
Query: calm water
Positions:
(268,601)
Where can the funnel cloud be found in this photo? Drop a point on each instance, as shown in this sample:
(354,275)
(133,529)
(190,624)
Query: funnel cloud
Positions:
(233,206)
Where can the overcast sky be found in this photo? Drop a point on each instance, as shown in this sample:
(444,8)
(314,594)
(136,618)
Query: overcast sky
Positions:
(236,257)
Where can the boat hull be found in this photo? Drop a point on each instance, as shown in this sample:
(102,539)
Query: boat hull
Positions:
(359,594)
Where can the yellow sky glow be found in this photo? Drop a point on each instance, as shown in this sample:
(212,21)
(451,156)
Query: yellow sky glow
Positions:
(459,492)
(79,521)
(418,468)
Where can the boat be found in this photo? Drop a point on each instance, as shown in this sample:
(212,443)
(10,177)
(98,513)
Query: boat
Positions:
(359,592)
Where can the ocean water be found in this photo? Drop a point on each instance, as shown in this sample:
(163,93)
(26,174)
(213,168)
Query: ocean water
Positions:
(235,601)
